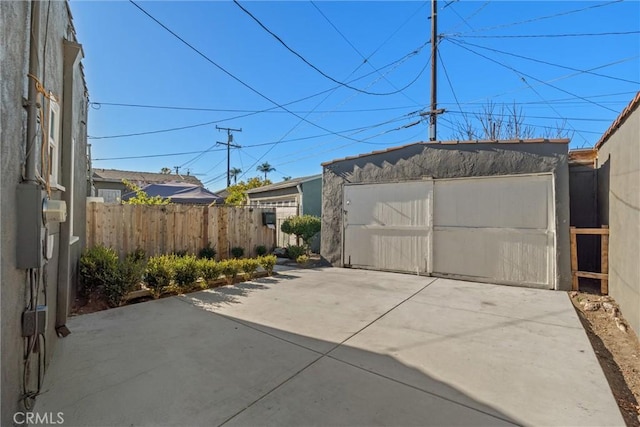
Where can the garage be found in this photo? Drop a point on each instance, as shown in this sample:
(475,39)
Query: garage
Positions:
(485,211)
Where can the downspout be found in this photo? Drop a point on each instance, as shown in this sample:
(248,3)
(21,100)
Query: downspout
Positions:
(300,207)
(32,95)
(71,51)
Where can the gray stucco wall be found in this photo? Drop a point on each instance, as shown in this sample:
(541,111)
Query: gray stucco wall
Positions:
(619,203)
(448,161)
(14,31)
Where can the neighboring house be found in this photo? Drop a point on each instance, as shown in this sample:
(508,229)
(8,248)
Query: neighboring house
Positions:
(43,139)
(487,211)
(108,182)
(297,196)
(618,198)
(179,192)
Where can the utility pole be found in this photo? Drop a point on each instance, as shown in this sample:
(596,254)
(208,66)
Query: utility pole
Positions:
(433,111)
(229,144)
(177,168)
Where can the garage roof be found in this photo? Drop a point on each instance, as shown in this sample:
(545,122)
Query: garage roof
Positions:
(635,102)
(453,142)
(284,184)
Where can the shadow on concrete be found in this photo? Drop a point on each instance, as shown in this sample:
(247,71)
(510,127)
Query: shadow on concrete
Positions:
(171,363)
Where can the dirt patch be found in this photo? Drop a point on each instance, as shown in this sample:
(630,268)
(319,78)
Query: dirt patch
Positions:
(617,348)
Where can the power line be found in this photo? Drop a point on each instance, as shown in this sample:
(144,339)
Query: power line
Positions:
(485,4)
(227,110)
(251,88)
(536,117)
(520,36)
(364,58)
(303,59)
(520,74)
(148,156)
(548,63)
(540,18)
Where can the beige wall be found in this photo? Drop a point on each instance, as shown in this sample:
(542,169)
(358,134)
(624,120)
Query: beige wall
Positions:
(619,201)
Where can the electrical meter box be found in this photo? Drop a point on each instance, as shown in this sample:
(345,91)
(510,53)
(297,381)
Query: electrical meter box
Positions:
(269,218)
(31,230)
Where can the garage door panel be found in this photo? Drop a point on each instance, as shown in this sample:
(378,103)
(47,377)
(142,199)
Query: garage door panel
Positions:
(502,256)
(388,204)
(385,248)
(512,202)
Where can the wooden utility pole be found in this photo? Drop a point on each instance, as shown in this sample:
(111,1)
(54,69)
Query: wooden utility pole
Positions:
(229,144)
(434,70)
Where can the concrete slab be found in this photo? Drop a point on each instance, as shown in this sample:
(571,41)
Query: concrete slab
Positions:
(332,347)
(162,363)
(520,351)
(336,394)
(315,308)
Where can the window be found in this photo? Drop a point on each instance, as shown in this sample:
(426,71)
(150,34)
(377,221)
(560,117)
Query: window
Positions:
(54,136)
(110,196)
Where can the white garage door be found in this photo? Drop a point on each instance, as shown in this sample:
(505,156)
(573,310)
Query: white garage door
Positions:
(388,226)
(496,229)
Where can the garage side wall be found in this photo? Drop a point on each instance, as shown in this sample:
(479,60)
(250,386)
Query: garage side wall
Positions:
(619,203)
(448,161)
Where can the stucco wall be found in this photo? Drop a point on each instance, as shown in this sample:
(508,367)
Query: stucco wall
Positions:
(447,161)
(619,202)
(14,30)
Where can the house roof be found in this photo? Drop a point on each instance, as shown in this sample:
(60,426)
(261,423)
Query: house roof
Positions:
(454,142)
(618,121)
(114,175)
(179,192)
(284,184)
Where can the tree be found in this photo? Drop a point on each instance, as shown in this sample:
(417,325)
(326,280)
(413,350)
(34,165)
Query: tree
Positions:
(237,192)
(265,168)
(142,198)
(234,173)
(303,227)
(286,178)
(165,170)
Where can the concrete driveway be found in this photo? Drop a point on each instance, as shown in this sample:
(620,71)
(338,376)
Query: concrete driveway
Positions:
(333,347)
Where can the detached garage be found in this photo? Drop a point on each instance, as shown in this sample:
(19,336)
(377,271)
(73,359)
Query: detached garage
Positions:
(478,210)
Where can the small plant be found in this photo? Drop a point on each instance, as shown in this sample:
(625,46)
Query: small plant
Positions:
(230,269)
(207,252)
(209,269)
(98,266)
(302,260)
(186,272)
(294,251)
(249,266)
(160,273)
(261,250)
(181,253)
(237,252)
(268,262)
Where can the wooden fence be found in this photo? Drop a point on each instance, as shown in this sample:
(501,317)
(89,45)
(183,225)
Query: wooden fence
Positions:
(173,228)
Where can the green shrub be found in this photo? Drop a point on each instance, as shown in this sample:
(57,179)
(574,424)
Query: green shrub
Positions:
(237,252)
(98,266)
(230,269)
(207,252)
(160,270)
(261,250)
(209,269)
(294,251)
(186,272)
(268,262)
(133,268)
(303,227)
(302,259)
(249,266)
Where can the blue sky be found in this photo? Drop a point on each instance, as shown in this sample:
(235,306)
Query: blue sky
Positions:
(552,60)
